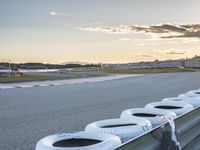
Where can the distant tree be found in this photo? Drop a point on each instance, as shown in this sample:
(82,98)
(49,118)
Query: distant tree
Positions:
(196,57)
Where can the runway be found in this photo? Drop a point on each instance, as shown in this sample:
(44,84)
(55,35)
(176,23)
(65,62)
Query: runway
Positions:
(28,114)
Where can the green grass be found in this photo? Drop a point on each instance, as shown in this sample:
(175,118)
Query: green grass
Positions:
(106,70)
(148,71)
(86,68)
(34,78)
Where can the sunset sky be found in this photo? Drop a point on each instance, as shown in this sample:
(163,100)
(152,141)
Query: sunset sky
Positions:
(107,31)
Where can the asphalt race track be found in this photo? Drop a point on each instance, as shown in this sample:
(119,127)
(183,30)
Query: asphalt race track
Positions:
(28,114)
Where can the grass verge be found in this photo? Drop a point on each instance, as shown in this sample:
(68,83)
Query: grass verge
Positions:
(34,78)
(86,69)
(148,71)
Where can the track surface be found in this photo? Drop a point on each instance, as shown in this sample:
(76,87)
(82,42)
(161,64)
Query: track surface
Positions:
(28,114)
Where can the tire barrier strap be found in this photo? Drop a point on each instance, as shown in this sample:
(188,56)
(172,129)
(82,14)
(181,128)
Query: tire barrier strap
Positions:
(173,133)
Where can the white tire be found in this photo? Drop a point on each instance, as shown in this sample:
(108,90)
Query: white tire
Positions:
(194,101)
(126,129)
(193,93)
(79,141)
(177,107)
(149,114)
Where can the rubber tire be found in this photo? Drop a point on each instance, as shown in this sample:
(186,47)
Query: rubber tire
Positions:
(193,93)
(185,107)
(155,121)
(108,141)
(194,101)
(125,132)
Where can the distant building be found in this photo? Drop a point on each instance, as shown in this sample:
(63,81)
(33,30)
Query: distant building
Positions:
(10,73)
(190,63)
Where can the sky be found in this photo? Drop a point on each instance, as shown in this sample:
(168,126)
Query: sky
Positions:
(98,31)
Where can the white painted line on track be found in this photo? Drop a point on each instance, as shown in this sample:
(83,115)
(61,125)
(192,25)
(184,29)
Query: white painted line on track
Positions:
(62,82)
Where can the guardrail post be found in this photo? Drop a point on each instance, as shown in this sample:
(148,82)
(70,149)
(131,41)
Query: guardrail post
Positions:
(168,143)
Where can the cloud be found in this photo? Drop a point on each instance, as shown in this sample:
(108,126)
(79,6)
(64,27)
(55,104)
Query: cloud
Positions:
(59,14)
(69,25)
(125,39)
(107,29)
(146,55)
(173,52)
(159,30)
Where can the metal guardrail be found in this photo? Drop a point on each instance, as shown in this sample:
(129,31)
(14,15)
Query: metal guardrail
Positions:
(159,138)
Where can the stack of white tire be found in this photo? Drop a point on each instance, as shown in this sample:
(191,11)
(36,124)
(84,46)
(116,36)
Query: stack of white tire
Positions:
(194,101)
(145,113)
(109,134)
(177,107)
(79,141)
(126,129)
(193,93)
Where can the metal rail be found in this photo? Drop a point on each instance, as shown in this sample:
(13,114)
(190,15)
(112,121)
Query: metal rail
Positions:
(159,138)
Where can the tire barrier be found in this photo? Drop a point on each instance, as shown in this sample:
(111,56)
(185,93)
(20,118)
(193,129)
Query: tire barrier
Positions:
(149,114)
(78,141)
(186,130)
(126,129)
(177,107)
(193,93)
(195,101)
(109,134)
